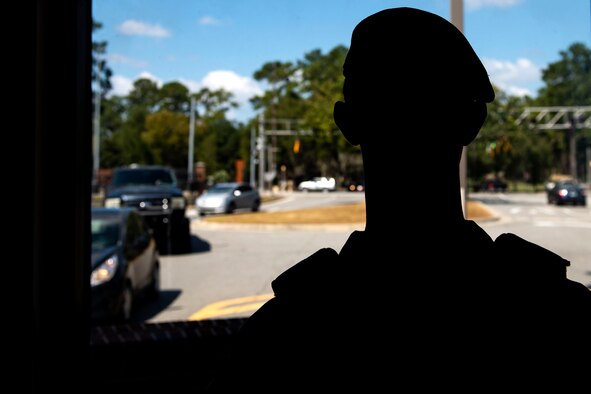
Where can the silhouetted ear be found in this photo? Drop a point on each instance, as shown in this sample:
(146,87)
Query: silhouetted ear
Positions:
(473,119)
(345,124)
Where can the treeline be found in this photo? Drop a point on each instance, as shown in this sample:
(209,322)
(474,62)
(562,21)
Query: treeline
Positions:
(151,123)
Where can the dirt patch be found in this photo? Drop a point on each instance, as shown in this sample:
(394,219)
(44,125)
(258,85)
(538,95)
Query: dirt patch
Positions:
(478,211)
(342,214)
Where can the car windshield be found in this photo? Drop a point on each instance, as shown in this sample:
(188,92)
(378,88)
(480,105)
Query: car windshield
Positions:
(142,177)
(220,189)
(105,232)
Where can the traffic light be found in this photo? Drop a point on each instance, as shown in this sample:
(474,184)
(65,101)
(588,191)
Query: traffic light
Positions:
(296,146)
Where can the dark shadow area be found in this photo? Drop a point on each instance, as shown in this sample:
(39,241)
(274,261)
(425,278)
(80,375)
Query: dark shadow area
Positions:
(199,245)
(147,309)
(170,357)
(183,244)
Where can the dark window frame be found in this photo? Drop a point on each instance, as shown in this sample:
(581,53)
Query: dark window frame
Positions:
(63,351)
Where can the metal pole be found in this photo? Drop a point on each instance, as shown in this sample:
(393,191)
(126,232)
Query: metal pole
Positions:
(572,148)
(261,146)
(190,169)
(457,18)
(252,155)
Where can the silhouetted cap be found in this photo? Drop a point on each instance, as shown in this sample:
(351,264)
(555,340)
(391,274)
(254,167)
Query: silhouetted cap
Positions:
(410,51)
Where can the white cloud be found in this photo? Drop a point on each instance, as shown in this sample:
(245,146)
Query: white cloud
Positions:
(121,85)
(475,4)
(137,28)
(193,86)
(116,58)
(208,21)
(243,88)
(515,78)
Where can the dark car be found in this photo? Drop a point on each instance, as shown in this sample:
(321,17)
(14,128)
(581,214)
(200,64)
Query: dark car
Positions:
(125,263)
(494,185)
(227,197)
(567,192)
(154,192)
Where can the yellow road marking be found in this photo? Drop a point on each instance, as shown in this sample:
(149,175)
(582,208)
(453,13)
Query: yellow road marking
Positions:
(231,306)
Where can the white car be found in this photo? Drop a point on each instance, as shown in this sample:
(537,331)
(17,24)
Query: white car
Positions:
(325,184)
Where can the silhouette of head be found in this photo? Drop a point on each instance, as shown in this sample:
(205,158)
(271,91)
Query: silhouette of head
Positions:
(408,67)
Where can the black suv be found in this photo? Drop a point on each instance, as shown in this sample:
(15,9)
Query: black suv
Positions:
(154,192)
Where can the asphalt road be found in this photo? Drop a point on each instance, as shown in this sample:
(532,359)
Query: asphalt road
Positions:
(230,270)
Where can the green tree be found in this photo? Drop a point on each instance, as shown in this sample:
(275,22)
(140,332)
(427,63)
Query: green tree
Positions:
(504,148)
(213,104)
(122,124)
(282,101)
(305,92)
(322,86)
(166,135)
(174,97)
(101,72)
(568,81)
(145,95)
(112,120)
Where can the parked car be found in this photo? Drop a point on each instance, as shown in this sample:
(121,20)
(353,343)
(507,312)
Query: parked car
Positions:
(567,192)
(153,190)
(494,185)
(125,263)
(227,197)
(325,184)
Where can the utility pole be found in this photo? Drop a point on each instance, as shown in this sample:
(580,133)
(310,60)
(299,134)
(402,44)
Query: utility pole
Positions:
(253,157)
(261,148)
(190,168)
(289,128)
(457,19)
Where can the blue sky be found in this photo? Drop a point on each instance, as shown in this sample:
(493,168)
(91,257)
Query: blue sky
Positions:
(221,43)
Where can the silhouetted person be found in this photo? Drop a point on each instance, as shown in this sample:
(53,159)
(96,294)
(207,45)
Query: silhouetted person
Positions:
(421,298)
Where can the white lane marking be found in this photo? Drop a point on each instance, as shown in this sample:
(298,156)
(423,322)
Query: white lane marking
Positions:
(548,223)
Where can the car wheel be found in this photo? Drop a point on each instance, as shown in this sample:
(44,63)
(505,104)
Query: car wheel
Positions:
(154,289)
(231,207)
(256,205)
